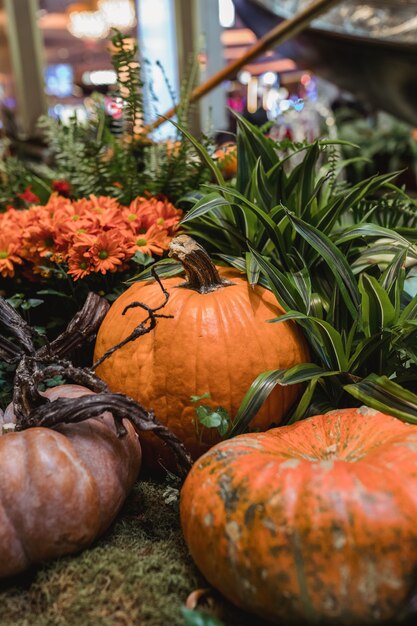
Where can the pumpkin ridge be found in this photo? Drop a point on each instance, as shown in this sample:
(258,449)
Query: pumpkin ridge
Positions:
(20,525)
(82,479)
(17,536)
(224,339)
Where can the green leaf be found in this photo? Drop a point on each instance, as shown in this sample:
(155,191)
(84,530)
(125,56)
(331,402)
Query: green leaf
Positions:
(284,291)
(52,292)
(252,268)
(393,280)
(370,230)
(410,311)
(205,396)
(164,268)
(260,145)
(245,205)
(208,203)
(236,262)
(265,383)
(202,152)
(382,394)
(199,618)
(327,339)
(335,260)
(301,410)
(308,175)
(377,311)
(213,418)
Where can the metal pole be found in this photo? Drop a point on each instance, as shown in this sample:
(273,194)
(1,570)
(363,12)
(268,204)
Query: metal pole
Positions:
(282,32)
(25,45)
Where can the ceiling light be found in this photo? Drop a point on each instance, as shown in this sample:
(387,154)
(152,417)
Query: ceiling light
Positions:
(85,22)
(118,14)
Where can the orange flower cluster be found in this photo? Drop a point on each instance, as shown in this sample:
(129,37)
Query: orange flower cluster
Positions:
(94,235)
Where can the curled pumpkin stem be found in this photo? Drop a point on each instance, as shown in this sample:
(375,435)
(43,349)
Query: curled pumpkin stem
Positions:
(145,326)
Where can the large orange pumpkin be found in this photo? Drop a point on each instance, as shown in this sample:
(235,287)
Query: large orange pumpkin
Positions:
(218,342)
(310,523)
(60,489)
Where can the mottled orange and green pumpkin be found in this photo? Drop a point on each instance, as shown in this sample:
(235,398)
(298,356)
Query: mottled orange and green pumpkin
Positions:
(311,523)
(217,341)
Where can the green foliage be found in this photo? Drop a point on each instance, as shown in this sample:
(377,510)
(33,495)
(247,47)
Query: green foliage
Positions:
(117,158)
(337,267)
(199,618)
(208,417)
(6,383)
(125,59)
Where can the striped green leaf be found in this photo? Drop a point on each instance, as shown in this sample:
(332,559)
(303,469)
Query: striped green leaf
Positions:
(371,230)
(252,268)
(280,284)
(335,260)
(164,268)
(382,394)
(377,310)
(327,339)
(207,204)
(202,152)
(265,383)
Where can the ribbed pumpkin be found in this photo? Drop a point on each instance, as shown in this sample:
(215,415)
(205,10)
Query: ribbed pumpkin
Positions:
(310,523)
(218,342)
(60,489)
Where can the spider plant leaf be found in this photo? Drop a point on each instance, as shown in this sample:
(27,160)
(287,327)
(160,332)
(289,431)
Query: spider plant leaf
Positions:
(202,152)
(164,268)
(335,260)
(246,206)
(410,311)
(332,349)
(206,204)
(382,394)
(371,230)
(260,187)
(261,145)
(252,268)
(377,310)
(281,285)
(265,383)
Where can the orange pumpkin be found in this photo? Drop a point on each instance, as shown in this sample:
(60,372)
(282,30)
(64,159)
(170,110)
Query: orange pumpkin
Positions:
(218,342)
(310,523)
(60,489)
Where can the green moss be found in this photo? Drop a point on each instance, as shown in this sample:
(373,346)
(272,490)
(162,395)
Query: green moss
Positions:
(138,574)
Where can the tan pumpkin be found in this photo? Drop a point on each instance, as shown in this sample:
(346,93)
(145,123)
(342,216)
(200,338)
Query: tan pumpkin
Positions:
(60,489)
(217,341)
(311,523)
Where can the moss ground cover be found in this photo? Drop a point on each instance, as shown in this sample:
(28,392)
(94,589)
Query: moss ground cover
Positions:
(138,574)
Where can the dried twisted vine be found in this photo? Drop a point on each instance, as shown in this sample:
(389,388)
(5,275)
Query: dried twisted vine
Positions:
(145,326)
(36,366)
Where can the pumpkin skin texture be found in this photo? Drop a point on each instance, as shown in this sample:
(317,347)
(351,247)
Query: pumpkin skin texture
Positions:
(312,523)
(60,489)
(217,342)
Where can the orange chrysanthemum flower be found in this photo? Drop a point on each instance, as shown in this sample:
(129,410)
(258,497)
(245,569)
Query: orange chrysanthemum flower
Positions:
(9,256)
(108,252)
(91,235)
(144,212)
(154,240)
(79,266)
